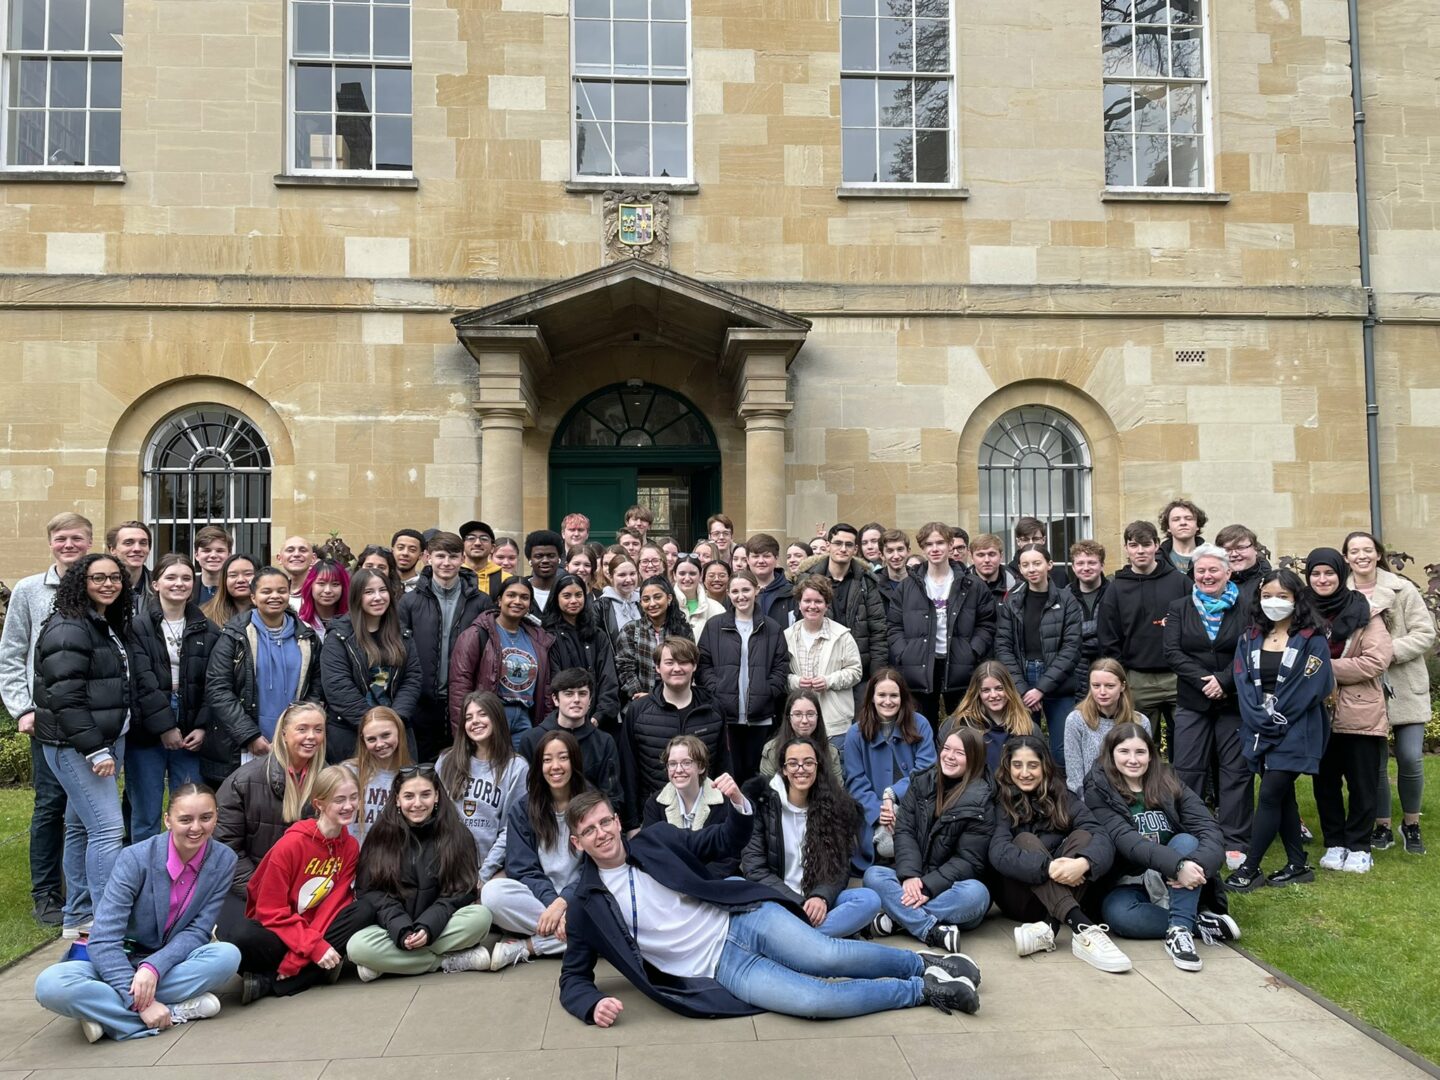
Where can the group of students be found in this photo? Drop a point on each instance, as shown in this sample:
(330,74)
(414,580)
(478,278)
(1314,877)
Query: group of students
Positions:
(884,719)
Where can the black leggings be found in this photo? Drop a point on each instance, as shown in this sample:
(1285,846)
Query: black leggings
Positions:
(1276,814)
(261,950)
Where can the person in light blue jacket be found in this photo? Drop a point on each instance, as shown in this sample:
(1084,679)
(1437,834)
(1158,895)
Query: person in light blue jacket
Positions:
(151,961)
(888,744)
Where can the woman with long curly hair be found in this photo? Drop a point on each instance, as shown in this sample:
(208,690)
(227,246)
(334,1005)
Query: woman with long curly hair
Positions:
(636,643)
(540,863)
(93,680)
(1046,851)
(417,871)
(806,829)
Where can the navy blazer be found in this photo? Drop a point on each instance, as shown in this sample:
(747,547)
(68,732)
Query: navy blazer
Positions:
(675,858)
(137,903)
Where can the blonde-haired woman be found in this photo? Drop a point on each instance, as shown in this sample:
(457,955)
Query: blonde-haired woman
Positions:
(993,707)
(300,909)
(1106,705)
(268,794)
(380,752)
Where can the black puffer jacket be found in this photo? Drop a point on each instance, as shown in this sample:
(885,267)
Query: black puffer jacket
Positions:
(863,615)
(1132,612)
(420,905)
(1031,867)
(1135,852)
(1061,638)
(1194,657)
(719,670)
(1089,629)
(420,615)
(198,641)
(970,619)
(648,725)
(764,856)
(85,689)
(233,699)
(595,653)
(345,675)
(941,851)
(250,818)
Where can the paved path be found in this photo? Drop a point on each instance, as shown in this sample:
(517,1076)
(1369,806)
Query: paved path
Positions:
(1049,1016)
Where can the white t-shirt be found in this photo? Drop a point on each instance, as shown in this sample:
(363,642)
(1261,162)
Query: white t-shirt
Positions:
(173,630)
(939,593)
(372,801)
(680,935)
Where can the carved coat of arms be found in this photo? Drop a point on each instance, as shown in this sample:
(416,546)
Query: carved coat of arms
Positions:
(637,226)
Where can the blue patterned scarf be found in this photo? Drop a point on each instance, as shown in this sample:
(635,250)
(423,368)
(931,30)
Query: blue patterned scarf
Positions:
(1212,608)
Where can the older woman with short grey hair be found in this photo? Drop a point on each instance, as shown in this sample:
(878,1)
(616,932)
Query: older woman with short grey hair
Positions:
(1200,635)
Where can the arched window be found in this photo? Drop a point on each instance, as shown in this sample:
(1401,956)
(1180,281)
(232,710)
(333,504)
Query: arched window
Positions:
(634,416)
(1034,462)
(208,466)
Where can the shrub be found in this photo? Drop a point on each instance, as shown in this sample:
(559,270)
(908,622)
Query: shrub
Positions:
(14,759)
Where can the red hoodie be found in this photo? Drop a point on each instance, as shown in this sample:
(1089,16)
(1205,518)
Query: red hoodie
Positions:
(303,882)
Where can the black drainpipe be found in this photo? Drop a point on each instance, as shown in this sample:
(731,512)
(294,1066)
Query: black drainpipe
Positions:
(1367,331)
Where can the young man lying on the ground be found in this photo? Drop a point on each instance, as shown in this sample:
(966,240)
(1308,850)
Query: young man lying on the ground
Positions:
(706,947)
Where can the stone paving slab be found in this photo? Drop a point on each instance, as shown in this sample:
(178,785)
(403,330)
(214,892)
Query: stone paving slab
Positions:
(1048,1015)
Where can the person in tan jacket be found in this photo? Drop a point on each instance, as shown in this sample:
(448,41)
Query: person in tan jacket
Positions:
(1413,632)
(1360,651)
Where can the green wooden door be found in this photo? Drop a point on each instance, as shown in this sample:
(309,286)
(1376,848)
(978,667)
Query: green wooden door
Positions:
(600,492)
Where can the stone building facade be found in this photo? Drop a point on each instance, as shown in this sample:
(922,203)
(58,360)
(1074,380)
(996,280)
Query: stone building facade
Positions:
(416,346)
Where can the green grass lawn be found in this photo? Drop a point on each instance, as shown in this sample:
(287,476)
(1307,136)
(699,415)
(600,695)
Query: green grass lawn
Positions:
(1365,941)
(19,933)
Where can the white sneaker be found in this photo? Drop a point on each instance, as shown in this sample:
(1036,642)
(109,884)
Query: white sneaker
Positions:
(366,974)
(476,959)
(92,1031)
(1358,862)
(1033,937)
(197,1008)
(1333,859)
(1234,860)
(75,933)
(1093,945)
(508,953)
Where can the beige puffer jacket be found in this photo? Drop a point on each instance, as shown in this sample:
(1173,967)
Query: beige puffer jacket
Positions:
(1413,633)
(1359,696)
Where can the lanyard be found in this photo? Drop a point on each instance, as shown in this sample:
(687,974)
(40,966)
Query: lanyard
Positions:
(634,909)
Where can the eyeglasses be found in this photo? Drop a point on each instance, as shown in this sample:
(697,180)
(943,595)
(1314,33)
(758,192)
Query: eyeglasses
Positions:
(720,534)
(101,579)
(605,824)
(471,538)
(1239,549)
(687,764)
(808,765)
(806,714)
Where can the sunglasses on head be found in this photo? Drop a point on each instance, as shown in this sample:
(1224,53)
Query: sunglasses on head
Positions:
(408,772)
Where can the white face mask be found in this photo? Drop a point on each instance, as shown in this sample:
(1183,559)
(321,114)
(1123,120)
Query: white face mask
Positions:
(1276,609)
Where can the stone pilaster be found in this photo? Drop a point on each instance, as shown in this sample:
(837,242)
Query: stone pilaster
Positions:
(757,360)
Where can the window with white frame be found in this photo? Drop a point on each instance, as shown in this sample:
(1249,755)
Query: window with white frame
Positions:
(897,92)
(1035,462)
(1154,60)
(61,85)
(208,465)
(350,102)
(630,74)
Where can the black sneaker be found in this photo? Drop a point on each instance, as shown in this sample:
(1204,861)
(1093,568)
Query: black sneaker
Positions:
(946,993)
(1215,927)
(945,937)
(1245,880)
(254,987)
(1383,838)
(1180,944)
(49,911)
(956,964)
(882,925)
(1413,844)
(1293,874)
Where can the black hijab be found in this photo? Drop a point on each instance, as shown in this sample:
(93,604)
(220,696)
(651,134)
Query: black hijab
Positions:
(1345,610)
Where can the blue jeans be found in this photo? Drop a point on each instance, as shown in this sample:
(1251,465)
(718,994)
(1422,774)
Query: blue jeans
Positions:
(1056,708)
(145,771)
(93,828)
(778,962)
(853,911)
(47,828)
(1129,912)
(73,988)
(964,903)
(518,716)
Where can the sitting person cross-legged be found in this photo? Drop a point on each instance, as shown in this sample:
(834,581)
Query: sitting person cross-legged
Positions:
(708,947)
(151,961)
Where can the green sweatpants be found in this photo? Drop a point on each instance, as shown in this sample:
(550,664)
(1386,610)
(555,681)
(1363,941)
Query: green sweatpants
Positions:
(374,949)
